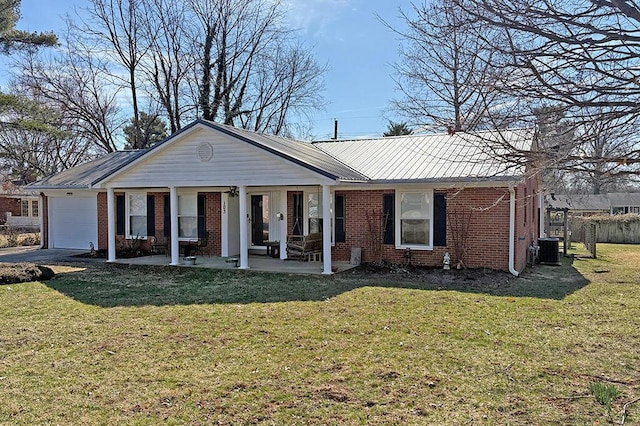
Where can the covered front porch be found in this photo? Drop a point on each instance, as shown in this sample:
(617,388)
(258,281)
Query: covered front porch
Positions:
(235,221)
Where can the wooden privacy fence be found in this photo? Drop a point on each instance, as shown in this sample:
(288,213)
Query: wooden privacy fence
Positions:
(621,229)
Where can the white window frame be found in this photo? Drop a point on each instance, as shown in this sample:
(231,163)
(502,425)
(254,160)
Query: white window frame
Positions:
(25,205)
(194,196)
(128,215)
(398,218)
(305,213)
(36,204)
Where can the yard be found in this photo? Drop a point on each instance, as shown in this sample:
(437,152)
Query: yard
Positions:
(106,344)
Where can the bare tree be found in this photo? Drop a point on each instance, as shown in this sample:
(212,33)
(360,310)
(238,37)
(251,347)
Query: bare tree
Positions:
(73,82)
(171,59)
(287,82)
(116,27)
(251,73)
(444,71)
(581,55)
(37,140)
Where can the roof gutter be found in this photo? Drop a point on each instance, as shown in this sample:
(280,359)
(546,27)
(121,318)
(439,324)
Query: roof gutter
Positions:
(512,230)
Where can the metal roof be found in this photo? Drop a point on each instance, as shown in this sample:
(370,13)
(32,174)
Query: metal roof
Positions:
(85,175)
(624,199)
(460,157)
(593,202)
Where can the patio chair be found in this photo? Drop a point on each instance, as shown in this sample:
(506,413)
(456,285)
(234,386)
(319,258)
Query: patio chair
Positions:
(157,246)
(201,245)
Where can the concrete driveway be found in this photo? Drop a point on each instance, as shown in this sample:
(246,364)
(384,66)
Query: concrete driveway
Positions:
(35,254)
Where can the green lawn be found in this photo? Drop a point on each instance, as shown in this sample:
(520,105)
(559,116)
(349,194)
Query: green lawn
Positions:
(140,345)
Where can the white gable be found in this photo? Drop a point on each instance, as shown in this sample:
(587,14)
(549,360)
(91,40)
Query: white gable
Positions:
(207,157)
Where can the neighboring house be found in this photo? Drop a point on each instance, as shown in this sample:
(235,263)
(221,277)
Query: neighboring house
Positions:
(398,198)
(590,204)
(19,208)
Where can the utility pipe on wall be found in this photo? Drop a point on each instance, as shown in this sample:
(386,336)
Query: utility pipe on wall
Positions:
(512,230)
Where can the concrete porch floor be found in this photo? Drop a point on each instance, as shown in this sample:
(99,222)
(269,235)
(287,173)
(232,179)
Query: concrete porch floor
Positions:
(256,263)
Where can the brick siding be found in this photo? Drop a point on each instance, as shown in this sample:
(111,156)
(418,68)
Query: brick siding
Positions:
(213,223)
(9,205)
(486,237)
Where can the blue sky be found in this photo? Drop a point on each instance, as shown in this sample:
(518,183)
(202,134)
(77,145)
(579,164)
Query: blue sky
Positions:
(345,34)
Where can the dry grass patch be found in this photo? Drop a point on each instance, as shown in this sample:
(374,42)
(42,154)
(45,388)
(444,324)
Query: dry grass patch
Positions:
(118,344)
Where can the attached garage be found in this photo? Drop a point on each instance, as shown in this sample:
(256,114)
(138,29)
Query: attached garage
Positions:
(73,222)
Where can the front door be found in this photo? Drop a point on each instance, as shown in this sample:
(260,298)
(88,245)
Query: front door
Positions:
(259,219)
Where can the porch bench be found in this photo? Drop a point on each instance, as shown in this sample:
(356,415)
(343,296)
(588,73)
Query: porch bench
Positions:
(307,247)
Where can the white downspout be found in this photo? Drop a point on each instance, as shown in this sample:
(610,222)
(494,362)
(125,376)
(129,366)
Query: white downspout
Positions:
(541,213)
(111,225)
(512,230)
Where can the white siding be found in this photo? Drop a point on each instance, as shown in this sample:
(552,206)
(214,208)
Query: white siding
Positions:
(234,162)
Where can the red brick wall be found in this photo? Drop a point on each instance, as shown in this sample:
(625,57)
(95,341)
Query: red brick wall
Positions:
(213,205)
(487,236)
(103,236)
(11,205)
(527,220)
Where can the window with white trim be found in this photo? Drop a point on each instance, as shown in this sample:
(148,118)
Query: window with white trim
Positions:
(137,215)
(188,216)
(35,208)
(24,208)
(314,205)
(414,224)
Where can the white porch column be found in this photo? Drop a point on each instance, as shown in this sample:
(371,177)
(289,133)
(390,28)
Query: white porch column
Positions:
(244,220)
(175,243)
(326,230)
(283,225)
(41,218)
(111,225)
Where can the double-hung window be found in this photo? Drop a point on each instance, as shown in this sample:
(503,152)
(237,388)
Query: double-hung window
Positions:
(414,223)
(137,215)
(314,204)
(188,216)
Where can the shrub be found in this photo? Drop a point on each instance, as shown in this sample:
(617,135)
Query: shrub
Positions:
(11,273)
(30,239)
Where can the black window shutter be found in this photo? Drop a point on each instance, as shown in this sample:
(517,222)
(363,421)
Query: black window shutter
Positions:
(439,219)
(297,214)
(202,223)
(388,216)
(120,214)
(151,215)
(167,216)
(340,220)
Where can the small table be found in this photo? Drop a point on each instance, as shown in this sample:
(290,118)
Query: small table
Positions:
(273,248)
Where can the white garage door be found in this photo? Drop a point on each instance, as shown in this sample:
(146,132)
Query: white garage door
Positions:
(73,222)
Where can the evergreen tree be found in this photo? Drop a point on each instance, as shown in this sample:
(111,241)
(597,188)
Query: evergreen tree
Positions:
(152,130)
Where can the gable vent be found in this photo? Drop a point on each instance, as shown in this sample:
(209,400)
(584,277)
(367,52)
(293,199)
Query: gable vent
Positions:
(205,152)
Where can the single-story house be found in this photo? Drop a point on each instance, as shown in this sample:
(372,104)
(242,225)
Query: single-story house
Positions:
(19,208)
(407,198)
(590,204)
